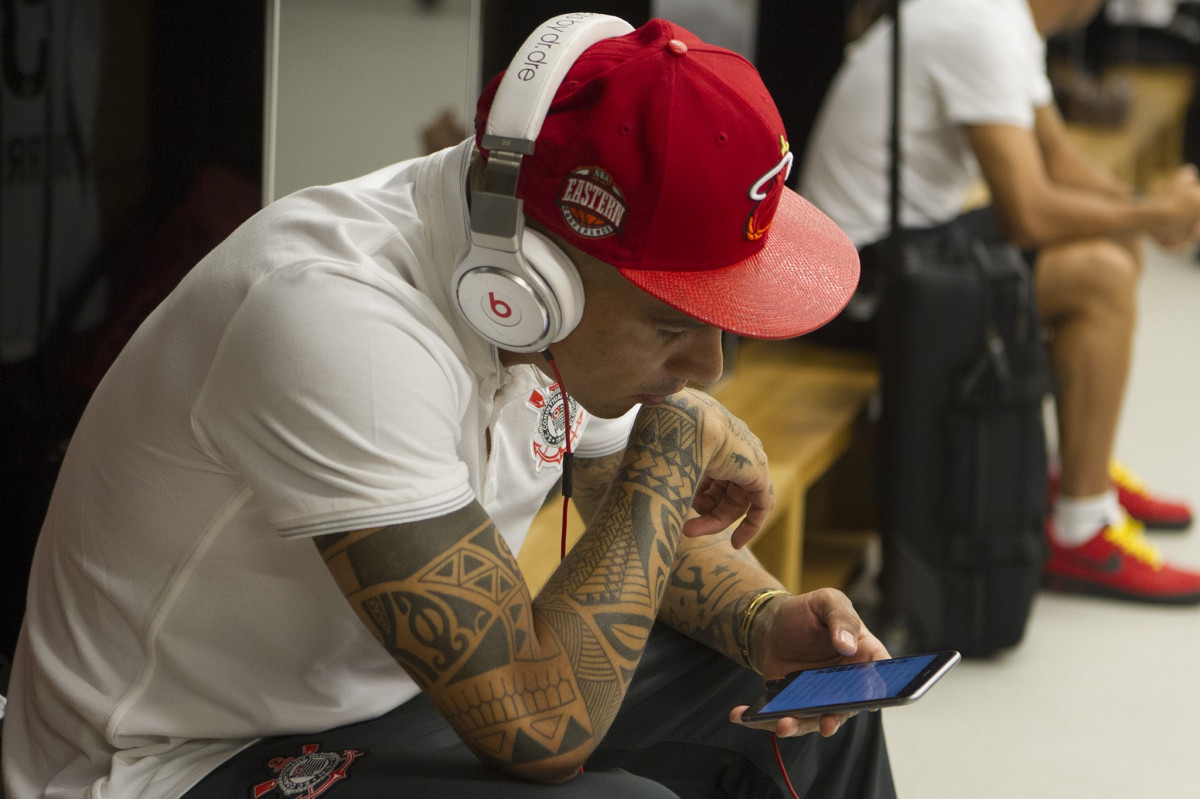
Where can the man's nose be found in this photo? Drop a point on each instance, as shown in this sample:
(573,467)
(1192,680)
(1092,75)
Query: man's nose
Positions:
(699,358)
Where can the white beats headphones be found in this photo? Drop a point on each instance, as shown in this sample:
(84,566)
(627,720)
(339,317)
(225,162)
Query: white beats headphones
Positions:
(514,286)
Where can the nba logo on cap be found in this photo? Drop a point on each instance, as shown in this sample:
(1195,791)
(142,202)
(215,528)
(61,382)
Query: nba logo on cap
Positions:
(591,203)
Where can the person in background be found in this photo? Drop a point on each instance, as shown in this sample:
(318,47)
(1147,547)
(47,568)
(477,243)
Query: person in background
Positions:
(977,103)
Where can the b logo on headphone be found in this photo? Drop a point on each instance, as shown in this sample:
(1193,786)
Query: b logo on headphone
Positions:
(501,311)
(515,287)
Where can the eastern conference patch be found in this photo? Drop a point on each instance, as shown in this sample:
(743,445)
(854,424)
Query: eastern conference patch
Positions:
(591,203)
(308,775)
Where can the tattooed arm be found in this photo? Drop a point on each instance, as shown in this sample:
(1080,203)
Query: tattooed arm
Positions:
(532,686)
(711,586)
(711,583)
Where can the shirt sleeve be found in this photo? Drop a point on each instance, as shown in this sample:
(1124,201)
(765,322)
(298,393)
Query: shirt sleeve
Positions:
(605,436)
(984,71)
(340,410)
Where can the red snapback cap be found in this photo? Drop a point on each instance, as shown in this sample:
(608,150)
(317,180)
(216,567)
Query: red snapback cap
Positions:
(666,158)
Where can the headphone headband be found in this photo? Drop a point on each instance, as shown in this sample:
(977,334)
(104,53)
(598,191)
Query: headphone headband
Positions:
(522,100)
(515,287)
(535,73)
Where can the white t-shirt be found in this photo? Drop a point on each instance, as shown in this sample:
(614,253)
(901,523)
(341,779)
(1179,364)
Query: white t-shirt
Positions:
(310,376)
(964,62)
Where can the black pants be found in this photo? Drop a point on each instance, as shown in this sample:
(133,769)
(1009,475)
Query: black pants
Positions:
(672,738)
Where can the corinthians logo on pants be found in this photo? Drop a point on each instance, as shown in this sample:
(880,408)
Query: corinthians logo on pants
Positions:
(308,775)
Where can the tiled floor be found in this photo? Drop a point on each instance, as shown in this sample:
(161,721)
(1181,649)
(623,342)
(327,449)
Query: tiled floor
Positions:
(1102,699)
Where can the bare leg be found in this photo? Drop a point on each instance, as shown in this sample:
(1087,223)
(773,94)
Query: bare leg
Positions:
(1087,294)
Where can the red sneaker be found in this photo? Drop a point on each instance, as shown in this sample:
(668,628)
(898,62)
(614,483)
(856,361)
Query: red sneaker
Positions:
(1118,562)
(1155,512)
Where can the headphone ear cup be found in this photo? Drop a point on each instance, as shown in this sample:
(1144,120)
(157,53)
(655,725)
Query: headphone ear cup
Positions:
(521,301)
(559,272)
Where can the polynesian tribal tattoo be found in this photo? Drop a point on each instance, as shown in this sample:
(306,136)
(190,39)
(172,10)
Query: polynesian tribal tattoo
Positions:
(709,591)
(711,583)
(525,681)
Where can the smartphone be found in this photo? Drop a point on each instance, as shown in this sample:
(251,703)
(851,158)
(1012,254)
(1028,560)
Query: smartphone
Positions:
(850,687)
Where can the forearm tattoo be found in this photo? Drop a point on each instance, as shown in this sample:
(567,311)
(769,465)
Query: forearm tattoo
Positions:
(711,583)
(604,598)
(592,478)
(710,586)
(456,614)
(520,681)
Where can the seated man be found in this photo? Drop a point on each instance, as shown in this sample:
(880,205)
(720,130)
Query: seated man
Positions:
(975,99)
(279,559)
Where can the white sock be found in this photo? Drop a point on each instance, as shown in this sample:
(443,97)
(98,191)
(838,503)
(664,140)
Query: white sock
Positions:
(1078,519)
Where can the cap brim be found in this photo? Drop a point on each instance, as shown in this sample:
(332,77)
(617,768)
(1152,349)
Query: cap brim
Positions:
(802,278)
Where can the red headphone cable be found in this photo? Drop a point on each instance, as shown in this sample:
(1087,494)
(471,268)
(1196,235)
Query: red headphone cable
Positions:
(783,768)
(568,458)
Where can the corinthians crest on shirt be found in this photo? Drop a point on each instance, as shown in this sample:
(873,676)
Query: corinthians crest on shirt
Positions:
(550,433)
(591,203)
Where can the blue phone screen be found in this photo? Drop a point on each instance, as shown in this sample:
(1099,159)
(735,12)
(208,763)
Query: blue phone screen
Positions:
(854,682)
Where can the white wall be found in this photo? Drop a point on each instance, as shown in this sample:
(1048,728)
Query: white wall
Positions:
(351,84)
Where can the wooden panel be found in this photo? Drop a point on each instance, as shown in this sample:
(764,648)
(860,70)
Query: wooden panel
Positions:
(1151,137)
(800,399)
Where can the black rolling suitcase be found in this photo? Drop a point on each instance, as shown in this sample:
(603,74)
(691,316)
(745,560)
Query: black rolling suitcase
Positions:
(962,455)
(962,446)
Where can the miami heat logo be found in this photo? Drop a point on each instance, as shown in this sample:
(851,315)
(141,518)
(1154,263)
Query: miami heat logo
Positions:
(766,192)
(550,438)
(308,775)
(591,203)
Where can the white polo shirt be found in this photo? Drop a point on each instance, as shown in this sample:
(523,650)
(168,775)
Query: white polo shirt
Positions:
(309,376)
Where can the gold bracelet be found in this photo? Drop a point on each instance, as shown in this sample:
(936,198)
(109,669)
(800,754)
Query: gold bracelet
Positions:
(743,631)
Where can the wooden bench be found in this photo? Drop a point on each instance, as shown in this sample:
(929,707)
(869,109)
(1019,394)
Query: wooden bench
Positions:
(1150,141)
(803,401)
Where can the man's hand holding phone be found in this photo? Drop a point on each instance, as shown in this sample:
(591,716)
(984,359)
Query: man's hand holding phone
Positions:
(809,631)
